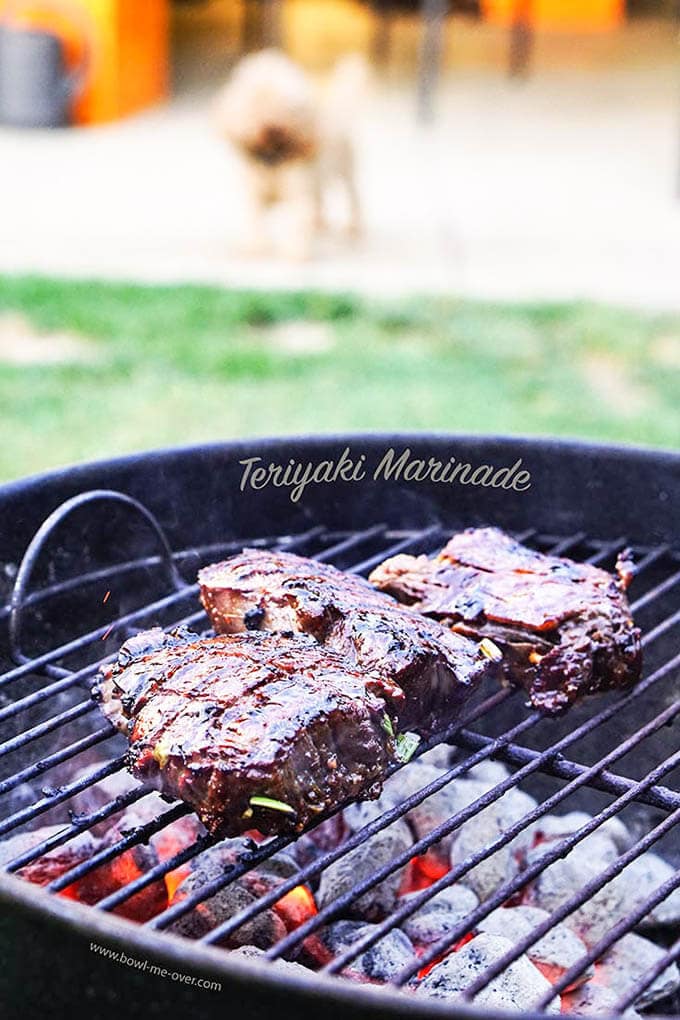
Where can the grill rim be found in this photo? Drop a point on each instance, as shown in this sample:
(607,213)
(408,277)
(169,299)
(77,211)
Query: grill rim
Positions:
(87,922)
(522,440)
(75,476)
(215,962)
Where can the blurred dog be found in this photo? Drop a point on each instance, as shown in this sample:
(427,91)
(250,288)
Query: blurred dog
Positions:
(294,139)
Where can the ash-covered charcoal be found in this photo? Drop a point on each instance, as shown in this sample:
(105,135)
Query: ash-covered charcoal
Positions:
(309,846)
(594,999)
(54,863)
(626,962)
(358,864)
(481,830)
(553,954)
(102,794)
(296,970)
(438,808)
(262,931)
(490,773)
(640,879)
(633,886)
(518,988)
(439,915)
(161,846)
(379,962)
(105,879)
(565,877)
(552,827)
(425,672)
(440,756)
(564,629)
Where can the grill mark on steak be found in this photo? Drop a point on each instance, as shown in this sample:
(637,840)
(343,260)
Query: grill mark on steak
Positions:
(564,628)
(215,721)
(425,672)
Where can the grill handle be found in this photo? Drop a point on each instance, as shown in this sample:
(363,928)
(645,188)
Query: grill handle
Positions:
(44,532)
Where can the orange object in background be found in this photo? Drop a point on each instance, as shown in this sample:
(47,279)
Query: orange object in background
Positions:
(63,19)
(129,58)
(560,15)
(124,45)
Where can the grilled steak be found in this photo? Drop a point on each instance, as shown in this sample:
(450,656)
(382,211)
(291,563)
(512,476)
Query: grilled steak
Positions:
(564,628)
(424,672)
(218,721)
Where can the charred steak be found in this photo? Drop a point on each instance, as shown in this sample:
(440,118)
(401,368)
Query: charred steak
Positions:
(564,628)
(424,671)
(254,731)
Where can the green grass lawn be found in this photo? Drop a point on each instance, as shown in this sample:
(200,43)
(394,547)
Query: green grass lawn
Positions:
(180,364)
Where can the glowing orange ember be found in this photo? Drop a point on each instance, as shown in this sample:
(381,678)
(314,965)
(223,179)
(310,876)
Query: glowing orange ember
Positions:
(296,907)
(115,875)
(70,892)
(454,949)
(174,879)
(255,835)
(424,971)
(422,872)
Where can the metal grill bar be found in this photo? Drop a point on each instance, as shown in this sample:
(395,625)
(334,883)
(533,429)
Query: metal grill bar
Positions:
(661,628)
(608,549)
(453,823)
(140,835)
(75,829)
(41,729)
(586,893)
(412,542)
(563,545)
(531,872)
(503,747)
(58,758)
(60,795)
(653,556)
(607,782)
(648,978)
(655,592)
(624,926)
(358,538)
(162,920)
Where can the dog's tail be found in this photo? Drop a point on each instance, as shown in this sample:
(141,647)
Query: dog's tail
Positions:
(347,86)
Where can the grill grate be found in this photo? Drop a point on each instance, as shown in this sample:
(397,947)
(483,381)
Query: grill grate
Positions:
(657,581)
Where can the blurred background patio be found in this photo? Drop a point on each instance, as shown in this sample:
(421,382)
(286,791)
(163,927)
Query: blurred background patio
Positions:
(561,182)
(514,151)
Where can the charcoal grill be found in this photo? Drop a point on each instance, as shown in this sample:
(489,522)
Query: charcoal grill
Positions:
(139,528)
